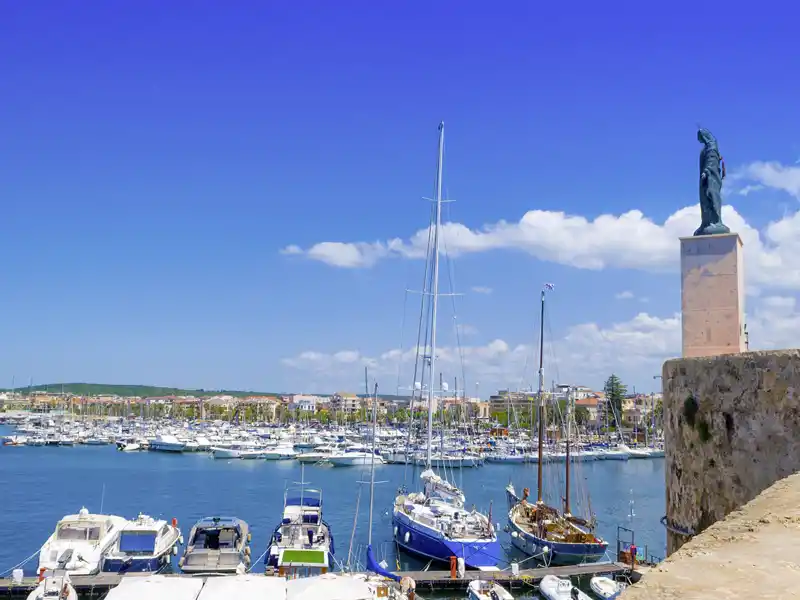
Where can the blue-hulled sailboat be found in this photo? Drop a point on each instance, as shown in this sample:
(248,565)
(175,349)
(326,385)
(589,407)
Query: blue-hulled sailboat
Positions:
(433,523)
(542,531)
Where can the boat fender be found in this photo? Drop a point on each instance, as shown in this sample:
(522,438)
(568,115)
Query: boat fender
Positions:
(174,522)
(180,562)
(247,551)
(175,550)
(514,534)
(395,531)
(407,537)
(249,537)
(180,540)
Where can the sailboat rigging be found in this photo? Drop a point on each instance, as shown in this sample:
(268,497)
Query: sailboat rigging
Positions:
(433,523)
(542,531)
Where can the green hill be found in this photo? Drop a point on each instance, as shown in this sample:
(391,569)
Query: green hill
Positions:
(104,389)
(146,391)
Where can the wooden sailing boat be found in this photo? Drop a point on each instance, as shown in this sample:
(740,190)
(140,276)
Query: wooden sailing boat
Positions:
(542,531)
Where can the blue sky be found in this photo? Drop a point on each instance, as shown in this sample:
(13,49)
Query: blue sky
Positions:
(158,157)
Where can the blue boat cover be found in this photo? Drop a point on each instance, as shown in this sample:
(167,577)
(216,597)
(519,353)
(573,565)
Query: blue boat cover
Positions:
(304,501)
(372,565)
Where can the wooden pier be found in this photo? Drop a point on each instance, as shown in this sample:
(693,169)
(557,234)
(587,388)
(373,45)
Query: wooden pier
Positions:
(441,580)
(94,586)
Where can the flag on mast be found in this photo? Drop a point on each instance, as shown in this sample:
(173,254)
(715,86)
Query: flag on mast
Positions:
(549,286)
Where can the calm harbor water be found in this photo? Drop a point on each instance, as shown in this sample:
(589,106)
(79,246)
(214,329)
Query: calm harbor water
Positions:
(41,484)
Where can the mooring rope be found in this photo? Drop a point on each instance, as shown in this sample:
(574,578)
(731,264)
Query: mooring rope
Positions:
(685,531)
(4,573)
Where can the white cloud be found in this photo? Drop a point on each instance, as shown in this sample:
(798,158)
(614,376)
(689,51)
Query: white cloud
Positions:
(624,295)
(480,289)
(584,355)
(630,240)
(771,175)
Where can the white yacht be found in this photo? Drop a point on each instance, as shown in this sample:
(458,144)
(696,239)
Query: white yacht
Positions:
(318,454)
(282,451)
(238,450)
(80,542)
(355,456)
(167,443)
(144,545)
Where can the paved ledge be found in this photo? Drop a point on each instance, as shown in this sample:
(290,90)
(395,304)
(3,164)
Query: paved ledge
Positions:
(754,552)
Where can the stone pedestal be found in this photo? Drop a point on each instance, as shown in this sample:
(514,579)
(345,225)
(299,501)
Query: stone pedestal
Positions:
(712,295)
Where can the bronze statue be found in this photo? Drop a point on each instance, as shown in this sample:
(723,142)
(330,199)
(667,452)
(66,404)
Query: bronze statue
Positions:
(712,172)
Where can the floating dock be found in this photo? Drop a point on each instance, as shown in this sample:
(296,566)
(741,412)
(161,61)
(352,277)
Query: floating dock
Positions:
(93,586)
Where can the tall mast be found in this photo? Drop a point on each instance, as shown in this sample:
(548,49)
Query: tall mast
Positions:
(540,408)
(435,289)
(569,432)
(372,461)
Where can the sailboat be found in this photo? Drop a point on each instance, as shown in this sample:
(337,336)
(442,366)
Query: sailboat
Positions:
(384,583)
(433,523)
(543,531)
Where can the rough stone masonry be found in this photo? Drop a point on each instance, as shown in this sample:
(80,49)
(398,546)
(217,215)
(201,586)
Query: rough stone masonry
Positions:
(732,429)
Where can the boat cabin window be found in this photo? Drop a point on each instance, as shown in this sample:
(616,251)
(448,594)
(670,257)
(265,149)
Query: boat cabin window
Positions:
(137,542)
(74,531)
(217,539)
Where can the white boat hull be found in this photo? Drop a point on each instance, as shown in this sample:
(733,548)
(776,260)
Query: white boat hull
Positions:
(605,587)
(356,460)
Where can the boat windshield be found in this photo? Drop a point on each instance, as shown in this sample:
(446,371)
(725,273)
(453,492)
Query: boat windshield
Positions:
(83,531)
(137,542)
(217,539)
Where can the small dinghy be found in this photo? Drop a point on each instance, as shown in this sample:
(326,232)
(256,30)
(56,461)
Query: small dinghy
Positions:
(487,590)
(55,586)
(606,588)
(555,588)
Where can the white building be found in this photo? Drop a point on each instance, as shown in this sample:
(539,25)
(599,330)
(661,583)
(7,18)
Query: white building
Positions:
(305,403)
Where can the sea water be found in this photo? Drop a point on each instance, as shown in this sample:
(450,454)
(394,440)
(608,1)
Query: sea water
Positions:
(39,485)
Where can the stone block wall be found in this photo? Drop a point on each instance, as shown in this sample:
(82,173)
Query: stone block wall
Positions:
(732,429)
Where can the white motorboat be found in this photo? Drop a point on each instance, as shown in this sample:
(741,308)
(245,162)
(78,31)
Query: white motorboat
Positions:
(144,545)
(54,586)
(487,590)
(167,443)
(555,588)
(636,452)
(280,452)
(606,588)
(615,453)
(320,454)
(80,542)
(355,457)
(129,446)
(217,545)
(302,543)
(241,450)
(452,461)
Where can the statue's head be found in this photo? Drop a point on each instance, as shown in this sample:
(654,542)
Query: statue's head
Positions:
(704,136)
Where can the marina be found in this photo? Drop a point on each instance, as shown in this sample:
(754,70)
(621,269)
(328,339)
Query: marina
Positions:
(190,486)
(90,586)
